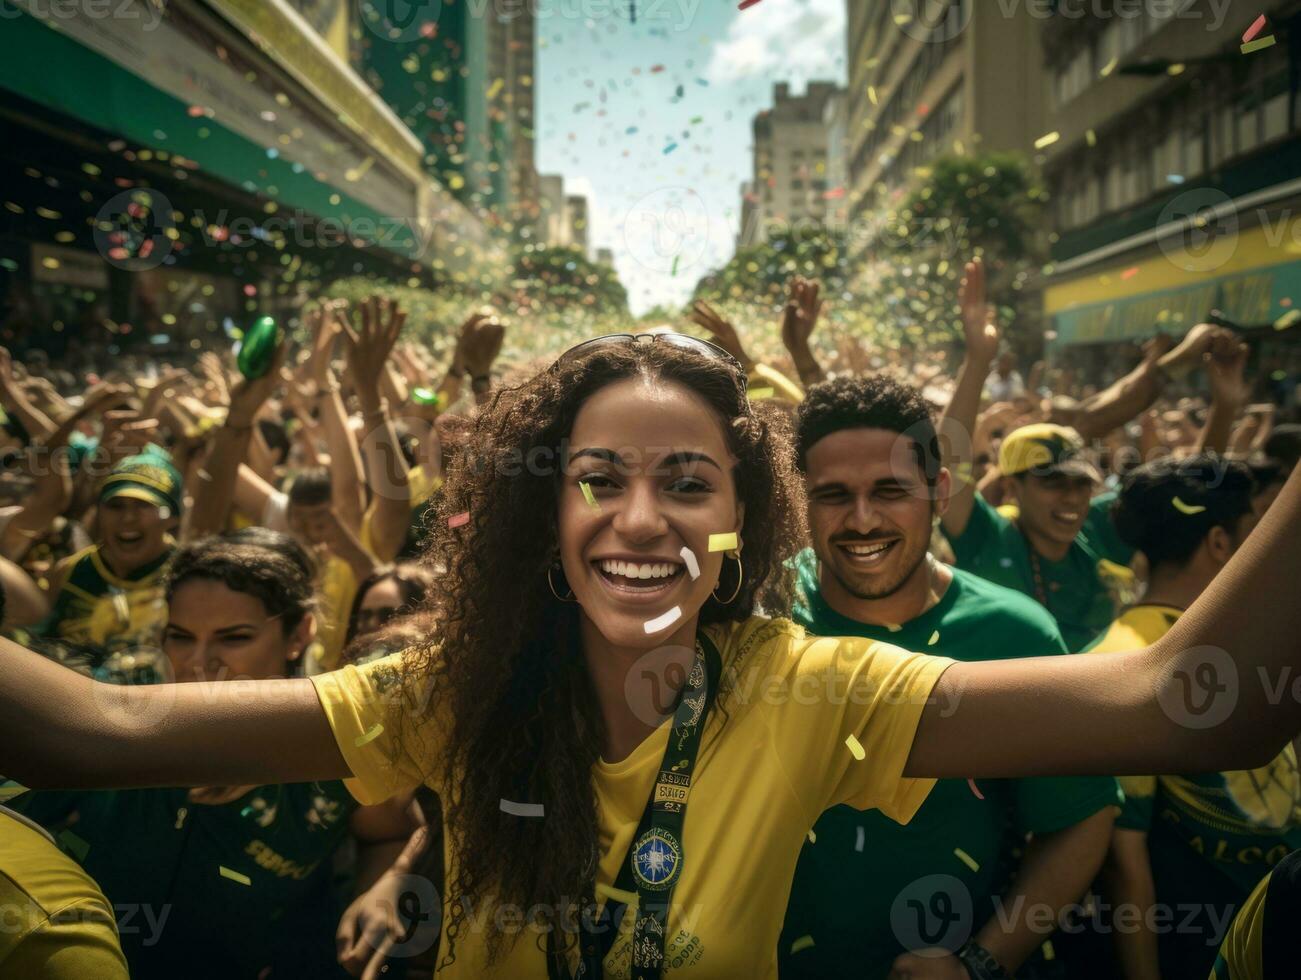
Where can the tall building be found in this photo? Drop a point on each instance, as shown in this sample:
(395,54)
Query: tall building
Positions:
(958,75)
(1174,176)
(521,105)
(576,212)
(553,215)
(790,162)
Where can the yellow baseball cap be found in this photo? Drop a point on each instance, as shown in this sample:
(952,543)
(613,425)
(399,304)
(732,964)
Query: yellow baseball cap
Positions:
(1043,449)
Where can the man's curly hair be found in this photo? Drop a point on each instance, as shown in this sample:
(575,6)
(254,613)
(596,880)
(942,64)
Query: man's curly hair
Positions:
(504,660)
(874,402)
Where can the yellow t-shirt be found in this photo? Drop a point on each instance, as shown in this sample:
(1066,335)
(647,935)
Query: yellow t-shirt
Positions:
(778,760)
(1241,952)
(55,923)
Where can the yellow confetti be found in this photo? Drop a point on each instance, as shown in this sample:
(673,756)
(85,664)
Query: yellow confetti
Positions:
(804,942)
(1091,137)
(722,542)
(1049,952)
(234,875)
(495,88)
(935,638)
(966,859)
(587,495)
(616,894)
(813,838)
(1188,509)
(759,394)
(355,174)
(855,748)
(369,736)
(1047,140)
(1263,42)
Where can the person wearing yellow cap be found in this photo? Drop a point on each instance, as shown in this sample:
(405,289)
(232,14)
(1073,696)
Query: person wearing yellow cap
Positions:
(108,599)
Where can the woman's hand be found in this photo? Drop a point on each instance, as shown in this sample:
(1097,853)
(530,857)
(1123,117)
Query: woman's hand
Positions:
(721,330)
(374,924)
(911,966)
(370,343)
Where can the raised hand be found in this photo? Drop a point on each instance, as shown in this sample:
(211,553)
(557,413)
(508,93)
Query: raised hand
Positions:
(479,344)
(1226,365)
(800,317)
(979,319)
(721,330)
(371,342)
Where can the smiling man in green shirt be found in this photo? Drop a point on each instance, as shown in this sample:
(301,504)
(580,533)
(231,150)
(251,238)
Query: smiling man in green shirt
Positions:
(874,494)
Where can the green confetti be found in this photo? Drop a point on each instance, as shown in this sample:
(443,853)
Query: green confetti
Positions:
(234,875)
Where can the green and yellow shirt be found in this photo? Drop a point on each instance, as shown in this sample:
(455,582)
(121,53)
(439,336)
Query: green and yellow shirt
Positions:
(1262,942)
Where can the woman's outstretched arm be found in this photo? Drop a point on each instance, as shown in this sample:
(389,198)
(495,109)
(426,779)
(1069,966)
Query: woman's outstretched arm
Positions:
(61,730)
(1216,693)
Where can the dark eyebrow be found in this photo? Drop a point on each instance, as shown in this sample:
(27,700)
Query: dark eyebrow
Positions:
(689,456)
(608,455)
(239,626)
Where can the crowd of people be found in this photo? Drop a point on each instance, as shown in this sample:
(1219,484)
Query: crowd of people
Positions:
(650,658)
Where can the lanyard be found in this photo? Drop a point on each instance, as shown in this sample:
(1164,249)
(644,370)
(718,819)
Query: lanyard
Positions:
(654,862)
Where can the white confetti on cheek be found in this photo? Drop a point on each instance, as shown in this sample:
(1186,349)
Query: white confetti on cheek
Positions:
(693,566)
(665,621)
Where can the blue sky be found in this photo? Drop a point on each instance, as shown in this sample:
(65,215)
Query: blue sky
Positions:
(652,121)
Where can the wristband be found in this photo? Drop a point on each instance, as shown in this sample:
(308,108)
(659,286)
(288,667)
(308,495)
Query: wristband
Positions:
(980,962)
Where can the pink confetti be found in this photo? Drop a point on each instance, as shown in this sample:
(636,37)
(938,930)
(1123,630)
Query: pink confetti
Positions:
(975,789)
(746,4)
(1254,29)
(459,519)
(1129,273)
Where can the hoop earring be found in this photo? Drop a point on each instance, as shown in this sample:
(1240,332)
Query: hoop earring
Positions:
(740,578)
(552,586)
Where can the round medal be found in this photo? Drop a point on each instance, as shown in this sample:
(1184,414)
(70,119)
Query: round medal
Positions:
(656,859)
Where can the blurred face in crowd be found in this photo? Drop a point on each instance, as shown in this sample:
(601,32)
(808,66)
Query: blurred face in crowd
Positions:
(215,633)
(870,511)
(310,523)
(133,532)
(657,462)
(1053,506)
(380,604)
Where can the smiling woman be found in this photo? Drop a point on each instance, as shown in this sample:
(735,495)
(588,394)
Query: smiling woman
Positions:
(537,711)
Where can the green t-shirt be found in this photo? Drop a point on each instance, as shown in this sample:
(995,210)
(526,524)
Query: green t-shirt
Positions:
(1081,588)
(853,882)
(154,853)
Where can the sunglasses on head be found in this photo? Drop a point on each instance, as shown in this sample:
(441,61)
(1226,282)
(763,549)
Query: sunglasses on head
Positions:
(680,340)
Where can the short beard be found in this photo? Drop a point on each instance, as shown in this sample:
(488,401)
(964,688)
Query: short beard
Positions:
(869,596)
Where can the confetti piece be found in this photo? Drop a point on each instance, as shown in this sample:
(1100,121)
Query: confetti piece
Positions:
(1257,26)
(855,748)
(75,844)
(1259,44)
(1049,952)
(693,566)
(675,264)
(804,942)
(1188,509)
(459,519)
(858,844)
(670,148)
(975,789)
(813,838)
(966,859)
(663,622)
(354,174)
(1129,273)
(1047,140)
(587,495)
(722,542)
(1091,137)
(617,894)
(369,736)
(759,394)
(935,638)
(234,875)
(1288,319)
(521,809)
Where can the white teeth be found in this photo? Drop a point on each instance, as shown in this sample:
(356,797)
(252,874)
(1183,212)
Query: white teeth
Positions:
(628,569)
(864,551)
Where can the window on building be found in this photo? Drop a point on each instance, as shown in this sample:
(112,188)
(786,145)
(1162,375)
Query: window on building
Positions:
(1274,112)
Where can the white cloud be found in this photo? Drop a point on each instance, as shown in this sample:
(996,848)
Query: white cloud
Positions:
(782,38)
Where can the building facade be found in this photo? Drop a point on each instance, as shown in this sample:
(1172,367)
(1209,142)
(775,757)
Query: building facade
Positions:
(1176,178)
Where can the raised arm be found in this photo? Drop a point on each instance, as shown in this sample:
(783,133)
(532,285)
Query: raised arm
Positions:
(803,307)
(1206,697)
(1225,368)
(958,423)
(16,402)
(369,344)
(62,730)
(723,332)
(345,456)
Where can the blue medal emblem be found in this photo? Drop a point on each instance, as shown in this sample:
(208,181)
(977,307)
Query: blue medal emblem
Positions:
(656,859)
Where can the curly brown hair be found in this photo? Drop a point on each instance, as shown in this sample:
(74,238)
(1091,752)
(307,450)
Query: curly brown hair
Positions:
(507,664)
